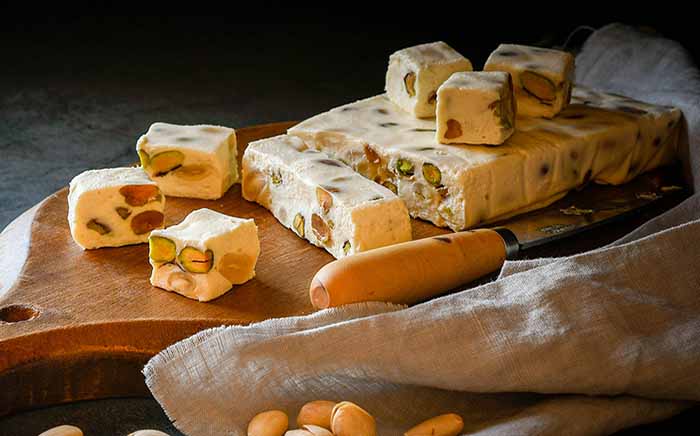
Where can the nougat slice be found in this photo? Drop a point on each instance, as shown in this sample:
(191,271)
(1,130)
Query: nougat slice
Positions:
(542,77)
(415,73)
(322,199)
(205,255)
(113,207)
(476,108)
(190,161)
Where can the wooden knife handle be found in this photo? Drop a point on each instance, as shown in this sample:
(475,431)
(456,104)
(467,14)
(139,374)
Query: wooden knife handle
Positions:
(410,272)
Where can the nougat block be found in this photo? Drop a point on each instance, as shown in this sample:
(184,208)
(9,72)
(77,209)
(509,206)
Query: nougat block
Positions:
(542,78)
(113,207)
(460,186)
(415,73)
(205,255)
(475,108)
(190,161)
(659,126)
(322,199)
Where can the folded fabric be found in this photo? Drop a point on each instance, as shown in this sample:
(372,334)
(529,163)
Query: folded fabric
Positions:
(587,344)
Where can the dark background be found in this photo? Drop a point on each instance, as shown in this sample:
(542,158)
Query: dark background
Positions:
(76,92)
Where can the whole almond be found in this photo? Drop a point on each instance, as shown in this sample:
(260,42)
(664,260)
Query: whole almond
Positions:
(268,423)
(349,419)
(315,430)
(316,413)
(63,430)
(148,432)
(449,424)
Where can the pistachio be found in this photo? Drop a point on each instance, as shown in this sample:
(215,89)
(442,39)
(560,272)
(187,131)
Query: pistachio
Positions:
(139,195)
(148,432)
(180,281)
(500,110)
(346,247)
(349,419)
(432,174)
(236,267)
(193,173)
(320,228)
(409,82)
(161,249)
(371,155)
(276,177)
(454,129)
(325,200)
(123,212)
(144,159)
(315,430)
(538,86)
(63,430)
(195,261)
(444,425)
(255,188)
(299,224)
(390,186)
(317,412)
(97,226)
(146,221)
(162,163)
(269,423)
(404,167)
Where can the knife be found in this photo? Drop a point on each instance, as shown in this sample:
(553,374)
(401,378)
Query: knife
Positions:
(414,271)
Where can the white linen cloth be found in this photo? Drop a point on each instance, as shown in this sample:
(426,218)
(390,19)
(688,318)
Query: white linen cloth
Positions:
(581,345)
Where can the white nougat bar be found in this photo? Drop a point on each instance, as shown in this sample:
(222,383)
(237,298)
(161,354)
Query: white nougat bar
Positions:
(205,255)
(113,207)
(190,161)
(322,199)
(461,186)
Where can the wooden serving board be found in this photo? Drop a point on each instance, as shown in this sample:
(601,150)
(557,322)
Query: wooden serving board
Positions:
(81,324)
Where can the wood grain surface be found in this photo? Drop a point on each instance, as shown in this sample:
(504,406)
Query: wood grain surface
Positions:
(80,324)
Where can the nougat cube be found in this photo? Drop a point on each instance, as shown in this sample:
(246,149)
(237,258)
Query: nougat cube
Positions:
(542,78)
(475,108)
(321,199)
(205,255)
(113,207)
(197,161)
(415,73)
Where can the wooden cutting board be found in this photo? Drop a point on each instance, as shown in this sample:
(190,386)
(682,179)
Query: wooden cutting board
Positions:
(81,324)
